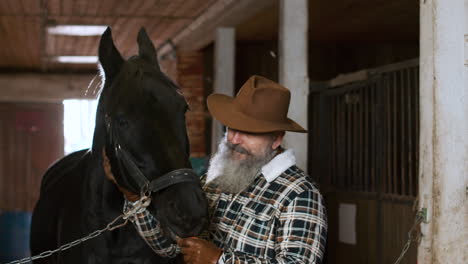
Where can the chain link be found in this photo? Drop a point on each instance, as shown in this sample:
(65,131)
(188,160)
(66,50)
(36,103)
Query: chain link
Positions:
(137,208)
(414,235)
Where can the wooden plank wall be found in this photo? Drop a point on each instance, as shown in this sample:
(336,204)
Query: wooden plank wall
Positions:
(397,219)
(31,138)
(365,249)
(256,57)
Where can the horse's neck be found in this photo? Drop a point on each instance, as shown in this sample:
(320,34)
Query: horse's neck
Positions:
(102,197)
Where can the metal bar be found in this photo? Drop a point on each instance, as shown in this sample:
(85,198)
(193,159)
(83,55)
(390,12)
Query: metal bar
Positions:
(410,107)
(365,114)
(378,101)
(352,140)
(343,134)
(403,112)
(409,130)
(349,153)
(394,129)
(356,143)
(360,143)
(388,133)
(340,144)
(331,154)
(343,160)
(373,138)
(324,117)
(334,148)
(395,66)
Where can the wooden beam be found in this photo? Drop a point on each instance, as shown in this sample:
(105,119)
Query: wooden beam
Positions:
(225,49)
(31,87)
(293,72)
(223,13)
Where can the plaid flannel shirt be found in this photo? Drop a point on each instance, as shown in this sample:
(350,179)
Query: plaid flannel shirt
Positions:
(280,219)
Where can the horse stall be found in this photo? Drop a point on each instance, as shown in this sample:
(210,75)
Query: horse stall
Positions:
(363,136)
(31,138)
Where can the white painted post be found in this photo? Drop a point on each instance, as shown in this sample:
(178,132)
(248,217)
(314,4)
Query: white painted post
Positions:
(443,170)
(293,70)
(224,61)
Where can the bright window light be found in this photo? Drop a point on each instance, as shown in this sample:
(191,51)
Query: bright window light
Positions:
(76,59)
(77,30)
(78,124)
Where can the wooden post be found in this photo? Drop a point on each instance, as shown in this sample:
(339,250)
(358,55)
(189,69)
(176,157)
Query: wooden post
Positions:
(225,46)
(293,70)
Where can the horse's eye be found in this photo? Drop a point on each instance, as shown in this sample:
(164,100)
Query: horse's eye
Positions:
(122,122)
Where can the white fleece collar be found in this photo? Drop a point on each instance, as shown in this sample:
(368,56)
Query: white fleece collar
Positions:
(278,165)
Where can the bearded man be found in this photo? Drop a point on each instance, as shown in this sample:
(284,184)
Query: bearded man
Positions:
(263,208)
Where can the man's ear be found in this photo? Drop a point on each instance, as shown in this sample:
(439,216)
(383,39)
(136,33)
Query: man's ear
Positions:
(278,140)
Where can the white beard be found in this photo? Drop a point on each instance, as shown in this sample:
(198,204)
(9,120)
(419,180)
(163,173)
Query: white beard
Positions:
(234,176)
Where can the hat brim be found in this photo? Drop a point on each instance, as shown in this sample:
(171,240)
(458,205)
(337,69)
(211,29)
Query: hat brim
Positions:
(222,108)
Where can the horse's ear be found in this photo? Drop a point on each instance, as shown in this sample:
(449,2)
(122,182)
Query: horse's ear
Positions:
(146,48)
(109,56)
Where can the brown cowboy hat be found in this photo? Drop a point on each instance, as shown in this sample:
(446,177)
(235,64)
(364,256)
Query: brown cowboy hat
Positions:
(260,106)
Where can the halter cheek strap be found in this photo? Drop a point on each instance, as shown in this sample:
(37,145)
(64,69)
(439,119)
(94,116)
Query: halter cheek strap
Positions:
(158,184)
(147,187)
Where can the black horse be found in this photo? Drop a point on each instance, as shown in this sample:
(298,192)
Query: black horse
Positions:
(140,123)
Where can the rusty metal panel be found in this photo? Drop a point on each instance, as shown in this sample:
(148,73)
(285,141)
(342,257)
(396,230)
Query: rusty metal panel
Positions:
(31,139)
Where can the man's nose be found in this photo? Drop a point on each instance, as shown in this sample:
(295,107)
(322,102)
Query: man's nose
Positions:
(236,137)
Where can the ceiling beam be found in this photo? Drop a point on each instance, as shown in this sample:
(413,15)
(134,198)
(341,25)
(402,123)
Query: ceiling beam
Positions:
(223,13)
(31,87)
(71,17)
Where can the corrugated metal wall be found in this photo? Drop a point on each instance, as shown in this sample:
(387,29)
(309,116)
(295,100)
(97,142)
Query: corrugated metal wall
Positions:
(31,139)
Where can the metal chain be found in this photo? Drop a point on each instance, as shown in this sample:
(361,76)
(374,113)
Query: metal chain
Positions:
(413,236)
(137,208)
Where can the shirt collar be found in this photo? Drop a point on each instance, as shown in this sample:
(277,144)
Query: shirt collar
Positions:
(278,165)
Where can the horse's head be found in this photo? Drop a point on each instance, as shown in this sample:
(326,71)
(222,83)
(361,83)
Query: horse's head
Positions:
(141,124)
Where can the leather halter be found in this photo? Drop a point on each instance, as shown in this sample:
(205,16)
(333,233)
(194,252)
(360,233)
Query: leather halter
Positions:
(146,187)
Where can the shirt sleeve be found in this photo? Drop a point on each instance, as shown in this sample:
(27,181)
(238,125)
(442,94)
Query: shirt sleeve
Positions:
(301,235)
(149,229)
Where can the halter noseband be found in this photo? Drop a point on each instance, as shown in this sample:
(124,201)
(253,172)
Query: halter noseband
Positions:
(147,187)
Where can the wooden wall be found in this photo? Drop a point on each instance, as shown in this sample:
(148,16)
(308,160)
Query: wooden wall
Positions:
(256,57)
(327,60)
(378,239)
(31,139)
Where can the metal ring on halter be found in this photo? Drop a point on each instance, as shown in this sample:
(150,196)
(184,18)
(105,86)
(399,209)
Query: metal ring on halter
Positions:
(145,191)
(145,201)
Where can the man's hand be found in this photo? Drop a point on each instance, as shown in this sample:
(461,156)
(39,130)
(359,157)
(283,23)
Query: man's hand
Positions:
(132,197)
(199,251)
